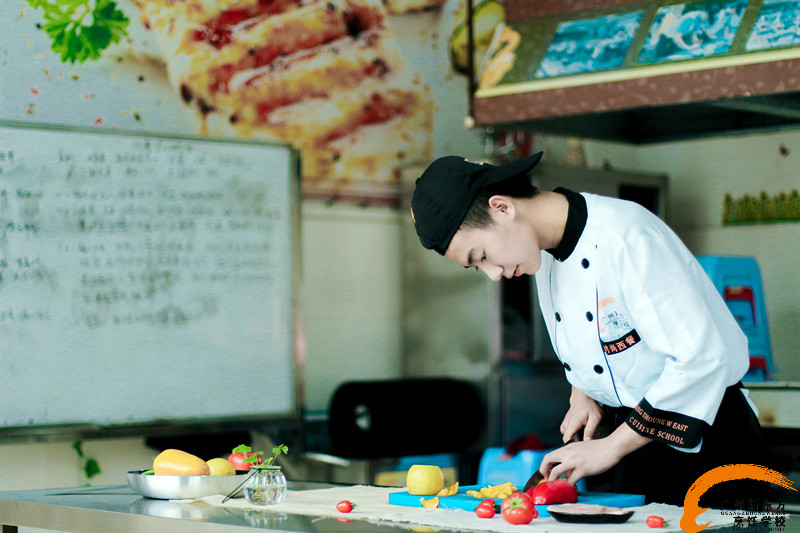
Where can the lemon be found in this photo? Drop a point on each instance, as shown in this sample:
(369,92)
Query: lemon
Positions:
(220,467)
(424,480)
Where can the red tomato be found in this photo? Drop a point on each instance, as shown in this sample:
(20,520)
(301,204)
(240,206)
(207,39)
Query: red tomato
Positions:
(345,506)
(485,509)
(553,492)
(237,460)
(655,521)
(518,508)
(488,502)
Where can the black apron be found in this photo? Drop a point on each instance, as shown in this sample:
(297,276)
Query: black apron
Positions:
(664,474)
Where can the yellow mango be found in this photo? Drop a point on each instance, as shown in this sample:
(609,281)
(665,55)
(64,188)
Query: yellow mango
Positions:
(178,463)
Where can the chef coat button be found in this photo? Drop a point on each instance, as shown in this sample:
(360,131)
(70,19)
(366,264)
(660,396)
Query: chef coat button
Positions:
(589,316)
(598,369)
(585,263)
(558,317)
(566,367)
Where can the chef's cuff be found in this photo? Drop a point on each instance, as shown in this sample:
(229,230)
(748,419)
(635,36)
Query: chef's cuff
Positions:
(675,429)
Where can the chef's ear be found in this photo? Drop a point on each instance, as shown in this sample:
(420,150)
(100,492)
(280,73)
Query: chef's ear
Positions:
(502,205)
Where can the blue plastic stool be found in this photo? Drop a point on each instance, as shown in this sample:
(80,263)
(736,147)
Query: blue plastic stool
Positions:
(494,469)
(738,281)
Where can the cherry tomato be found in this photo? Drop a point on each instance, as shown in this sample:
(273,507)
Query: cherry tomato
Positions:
(553,492)
(655,521)
(488,502)
(518,508)
(345,506)
(486,509)
(237,460)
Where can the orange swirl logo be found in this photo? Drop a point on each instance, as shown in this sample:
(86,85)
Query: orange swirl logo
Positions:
(691,504)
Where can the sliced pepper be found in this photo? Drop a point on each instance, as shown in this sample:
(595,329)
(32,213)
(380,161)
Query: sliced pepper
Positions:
(553,492)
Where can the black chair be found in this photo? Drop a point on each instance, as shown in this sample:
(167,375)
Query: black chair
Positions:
(396,418)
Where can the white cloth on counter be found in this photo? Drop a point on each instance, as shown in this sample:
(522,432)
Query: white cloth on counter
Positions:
(372,504)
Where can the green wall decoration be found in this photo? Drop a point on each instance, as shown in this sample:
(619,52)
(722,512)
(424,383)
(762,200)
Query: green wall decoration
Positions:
(88,465)
(748,209)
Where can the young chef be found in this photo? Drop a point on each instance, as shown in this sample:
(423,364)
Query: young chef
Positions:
(645,339)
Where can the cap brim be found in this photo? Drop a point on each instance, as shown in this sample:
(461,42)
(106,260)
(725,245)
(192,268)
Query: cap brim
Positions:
(512,169)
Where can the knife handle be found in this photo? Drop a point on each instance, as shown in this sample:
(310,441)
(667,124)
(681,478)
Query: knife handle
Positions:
(576,437)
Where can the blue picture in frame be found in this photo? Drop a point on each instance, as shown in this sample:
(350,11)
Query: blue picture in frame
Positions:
(778,24)
(589,45)
(692,30)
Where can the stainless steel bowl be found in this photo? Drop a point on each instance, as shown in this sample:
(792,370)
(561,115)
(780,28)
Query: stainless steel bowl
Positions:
(184,487)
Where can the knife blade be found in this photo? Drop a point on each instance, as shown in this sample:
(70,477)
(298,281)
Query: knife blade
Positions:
(534,480)
(537,476)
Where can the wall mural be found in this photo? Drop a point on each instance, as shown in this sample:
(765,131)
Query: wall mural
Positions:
(630,40)
(761,209)
(360,87)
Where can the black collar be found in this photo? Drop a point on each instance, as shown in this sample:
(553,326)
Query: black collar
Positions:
(576,221)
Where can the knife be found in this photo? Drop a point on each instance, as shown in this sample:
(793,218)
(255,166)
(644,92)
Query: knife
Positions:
(537,476)
(534,480)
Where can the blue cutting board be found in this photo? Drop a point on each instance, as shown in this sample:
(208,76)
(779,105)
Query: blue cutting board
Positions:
(462,500)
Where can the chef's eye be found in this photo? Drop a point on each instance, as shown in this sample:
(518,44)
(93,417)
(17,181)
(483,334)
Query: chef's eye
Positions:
(483,258)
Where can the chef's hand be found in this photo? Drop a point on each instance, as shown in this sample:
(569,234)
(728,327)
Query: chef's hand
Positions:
(584,413)
(587,458)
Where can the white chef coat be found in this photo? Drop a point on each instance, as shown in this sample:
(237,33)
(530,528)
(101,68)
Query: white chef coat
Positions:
(636,322)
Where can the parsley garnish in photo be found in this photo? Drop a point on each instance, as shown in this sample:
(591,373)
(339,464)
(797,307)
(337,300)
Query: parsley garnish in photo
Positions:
(81,29)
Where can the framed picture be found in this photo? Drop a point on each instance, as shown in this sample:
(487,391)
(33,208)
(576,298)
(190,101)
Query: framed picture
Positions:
(778,24)
(589,45)
(692,30)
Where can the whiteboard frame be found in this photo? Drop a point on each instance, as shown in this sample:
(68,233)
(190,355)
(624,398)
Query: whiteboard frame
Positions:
(288,419)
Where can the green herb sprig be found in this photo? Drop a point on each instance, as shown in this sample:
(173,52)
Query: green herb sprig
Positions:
(80,30)
(255,458)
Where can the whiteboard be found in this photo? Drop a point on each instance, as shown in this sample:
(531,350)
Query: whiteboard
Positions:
(144,278)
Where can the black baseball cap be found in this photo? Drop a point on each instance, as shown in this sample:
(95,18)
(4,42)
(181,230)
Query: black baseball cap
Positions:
(446,190)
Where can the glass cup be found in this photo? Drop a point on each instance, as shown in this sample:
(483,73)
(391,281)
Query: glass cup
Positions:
(267,486)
